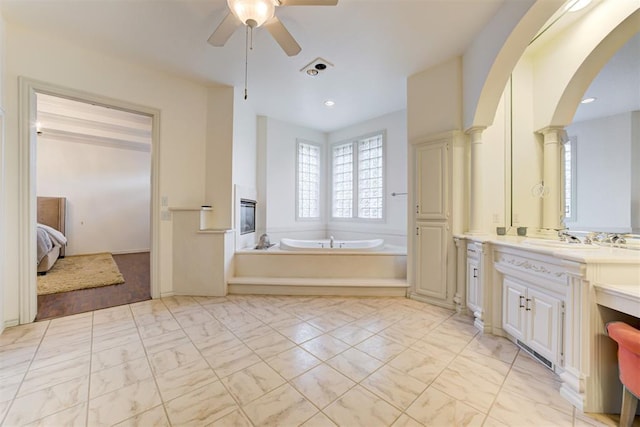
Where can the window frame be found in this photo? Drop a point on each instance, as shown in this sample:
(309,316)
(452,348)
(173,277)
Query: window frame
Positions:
(355,179)
(319,147)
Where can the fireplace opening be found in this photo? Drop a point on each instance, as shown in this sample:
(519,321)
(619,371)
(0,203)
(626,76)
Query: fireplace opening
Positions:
(247,216)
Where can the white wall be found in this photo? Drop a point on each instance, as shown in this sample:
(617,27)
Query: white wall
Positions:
(604,173)
(394,227)
(2,169)
(108,191)
(278,190)
(183,127)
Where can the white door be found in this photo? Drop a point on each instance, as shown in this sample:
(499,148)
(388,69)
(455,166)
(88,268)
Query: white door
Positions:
(431,181)
(472,283)
(431,265)
(544,324)
(513,308)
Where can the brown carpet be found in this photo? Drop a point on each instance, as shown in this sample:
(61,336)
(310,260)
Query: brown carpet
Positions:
(80,272)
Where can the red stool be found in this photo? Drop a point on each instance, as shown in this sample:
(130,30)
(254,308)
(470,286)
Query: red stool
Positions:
(628,339)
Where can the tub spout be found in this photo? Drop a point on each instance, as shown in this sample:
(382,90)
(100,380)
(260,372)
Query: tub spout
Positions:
(331,242)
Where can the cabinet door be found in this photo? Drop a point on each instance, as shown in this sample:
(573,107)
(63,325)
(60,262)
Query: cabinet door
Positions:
(544,323)
(431,181)
(431,266)
(472,284)
(513,311)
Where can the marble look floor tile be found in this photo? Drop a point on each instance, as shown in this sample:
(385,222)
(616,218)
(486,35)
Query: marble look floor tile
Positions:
(112,327)
(28,332)
(436,408)
(538,388)
(115,339)
(48,401)
(155,417)
(419,365)
(178,303)
(283,406)
(512,409)
(160,327)
(447,341)
(116,356)
(117,377)
(193,317)
(227,362)
(233,419)
(300,332)
(252,382)
(359,407)
(494,346)
(60,354)
(492,422)
(74,416)
(324,347)
(165,341)
(394,386)
(481,367)
(322,385)
(38,379)
(439,353)
(201,407)
(319,420)
(221,341)
(331,321)
(350,334)
(173,358)
(119,405)
(380,348)
(581,419)
(355,364)
(112,314)
(293,362)
(406,421)
(9,387)
(373,323)
(467,388)
(270,344)
(16,358)
(184,379)
(252,331)
(75,323)
(240,320)
(401,335)
(524,362)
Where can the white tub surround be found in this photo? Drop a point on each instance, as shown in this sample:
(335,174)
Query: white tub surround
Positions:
(202,258)
(544,295)
(328,272)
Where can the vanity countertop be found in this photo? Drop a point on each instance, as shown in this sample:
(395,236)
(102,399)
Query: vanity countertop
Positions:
(624,298)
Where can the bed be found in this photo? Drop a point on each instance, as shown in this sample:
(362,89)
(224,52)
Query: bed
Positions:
(50,231)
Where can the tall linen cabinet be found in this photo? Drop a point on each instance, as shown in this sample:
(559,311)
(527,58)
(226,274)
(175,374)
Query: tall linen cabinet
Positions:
(436,205)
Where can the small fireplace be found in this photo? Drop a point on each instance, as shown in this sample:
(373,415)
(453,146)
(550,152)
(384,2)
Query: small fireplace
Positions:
(247,216)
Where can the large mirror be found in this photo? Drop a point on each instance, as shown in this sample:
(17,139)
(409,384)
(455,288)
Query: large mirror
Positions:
(601,156)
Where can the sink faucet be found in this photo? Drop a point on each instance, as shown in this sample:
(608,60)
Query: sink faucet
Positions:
(331,241)
(566,237)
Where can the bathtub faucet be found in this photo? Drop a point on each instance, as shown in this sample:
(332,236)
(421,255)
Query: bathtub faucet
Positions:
(331,242)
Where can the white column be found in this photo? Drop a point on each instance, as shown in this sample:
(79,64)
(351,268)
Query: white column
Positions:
(476,187)
(552,209)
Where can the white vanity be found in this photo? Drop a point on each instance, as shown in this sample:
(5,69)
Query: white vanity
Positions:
(553,299)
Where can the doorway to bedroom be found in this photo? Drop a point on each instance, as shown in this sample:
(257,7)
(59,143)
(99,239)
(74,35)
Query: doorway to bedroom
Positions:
(94,162)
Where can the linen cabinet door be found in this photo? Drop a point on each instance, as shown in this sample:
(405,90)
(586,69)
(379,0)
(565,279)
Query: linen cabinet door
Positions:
(431,269)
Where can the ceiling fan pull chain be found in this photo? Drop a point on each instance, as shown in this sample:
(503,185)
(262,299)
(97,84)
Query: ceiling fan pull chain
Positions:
(246,60)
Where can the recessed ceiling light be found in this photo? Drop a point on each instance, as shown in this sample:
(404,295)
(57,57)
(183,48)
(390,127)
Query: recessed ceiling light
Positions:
(312,72)
(587,100)
(577,5)
(329,103)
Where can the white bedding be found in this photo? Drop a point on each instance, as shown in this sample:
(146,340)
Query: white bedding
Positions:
(47,238)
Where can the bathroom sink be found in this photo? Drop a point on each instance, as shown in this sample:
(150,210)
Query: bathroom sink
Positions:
(558,244)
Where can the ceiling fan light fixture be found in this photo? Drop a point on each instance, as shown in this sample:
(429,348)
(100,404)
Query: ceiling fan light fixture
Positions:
(253,13)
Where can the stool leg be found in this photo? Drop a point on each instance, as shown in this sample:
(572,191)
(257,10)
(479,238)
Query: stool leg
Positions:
(629,404)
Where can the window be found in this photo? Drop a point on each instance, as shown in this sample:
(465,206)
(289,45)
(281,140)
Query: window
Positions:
(308,181)
(357,167)
(570,190)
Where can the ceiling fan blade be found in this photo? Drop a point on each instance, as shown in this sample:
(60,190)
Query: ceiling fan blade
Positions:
(283,36)
(308,2)
(224,30)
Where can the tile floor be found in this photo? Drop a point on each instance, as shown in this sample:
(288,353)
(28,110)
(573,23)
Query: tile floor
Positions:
(273,361)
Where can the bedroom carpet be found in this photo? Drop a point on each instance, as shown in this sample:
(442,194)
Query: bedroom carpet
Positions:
(80,272)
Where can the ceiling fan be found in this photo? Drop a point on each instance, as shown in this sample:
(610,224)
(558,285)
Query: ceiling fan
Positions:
(255,13)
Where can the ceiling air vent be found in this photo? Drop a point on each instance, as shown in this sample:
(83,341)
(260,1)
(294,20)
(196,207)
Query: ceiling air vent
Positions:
(316,67)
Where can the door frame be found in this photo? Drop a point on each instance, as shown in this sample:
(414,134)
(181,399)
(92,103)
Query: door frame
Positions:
(27,110)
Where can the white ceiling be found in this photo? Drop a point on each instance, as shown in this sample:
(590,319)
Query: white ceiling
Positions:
(374,44)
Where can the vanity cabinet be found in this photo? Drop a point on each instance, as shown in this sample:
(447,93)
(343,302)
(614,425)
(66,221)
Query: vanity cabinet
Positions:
(533,318)
(474,280)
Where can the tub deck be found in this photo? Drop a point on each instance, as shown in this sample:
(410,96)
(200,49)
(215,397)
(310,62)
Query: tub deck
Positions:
(278,272)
